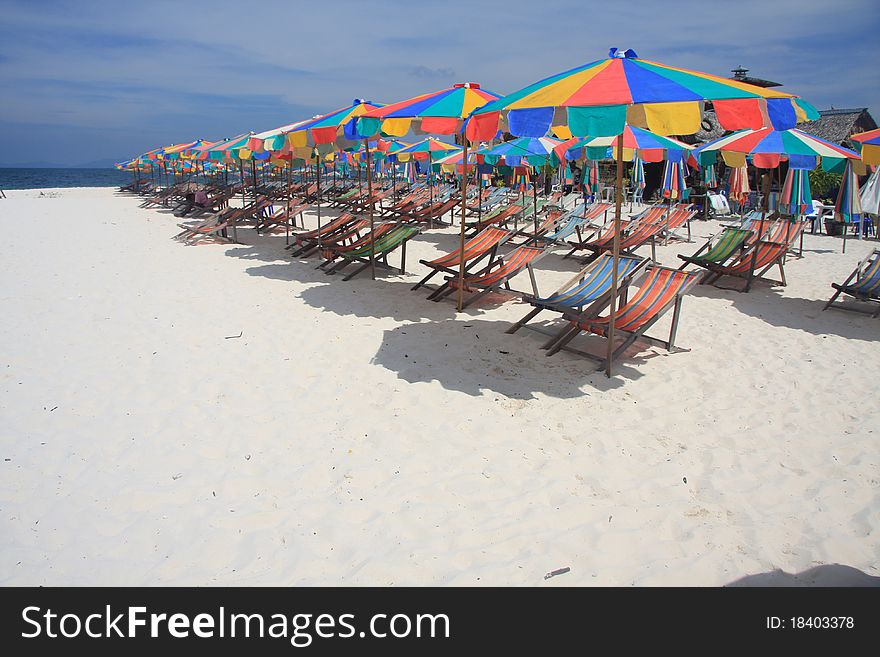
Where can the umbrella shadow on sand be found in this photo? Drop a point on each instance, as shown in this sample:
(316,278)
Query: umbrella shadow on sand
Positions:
(474,355)
(825,575)
(768,304)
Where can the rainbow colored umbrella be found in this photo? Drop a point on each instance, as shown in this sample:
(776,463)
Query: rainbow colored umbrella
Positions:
(441,112)
(332,130)
(796,197)
(768,147)
(709,176)
(739,184)
(426,149)
(675,180)
(648,146)
(848,207)
(869,144)
(535,151)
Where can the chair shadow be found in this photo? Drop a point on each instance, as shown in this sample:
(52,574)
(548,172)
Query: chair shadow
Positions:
(471,356)
(825,575)
(767,303)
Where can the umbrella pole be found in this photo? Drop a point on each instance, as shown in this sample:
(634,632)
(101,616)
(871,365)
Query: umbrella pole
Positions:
(430,187)
(370,210)
(535,204)
(318,171)
(287,208)
(615,251)
(461,234)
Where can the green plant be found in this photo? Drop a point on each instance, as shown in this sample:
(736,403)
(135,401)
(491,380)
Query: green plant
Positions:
(822,182)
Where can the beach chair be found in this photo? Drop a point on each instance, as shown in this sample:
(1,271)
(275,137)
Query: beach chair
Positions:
(332,251)
(863,284)
(662,289)
(339,230)
(498,217)
(482,246)
(762,256)
(588,291)
(718,249)
(491,278)
(396,236)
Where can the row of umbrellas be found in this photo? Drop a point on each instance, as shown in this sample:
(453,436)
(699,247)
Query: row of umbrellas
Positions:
(611,98)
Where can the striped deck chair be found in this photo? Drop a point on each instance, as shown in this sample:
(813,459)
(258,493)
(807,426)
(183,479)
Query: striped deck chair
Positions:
(484,245)
(762,256)
(863,284)
(498,217)
(662,289)
(331,252)
(575,219)
(396,236)
(343,234)
(491,278)
(328,228)
(432,214)
(588,291)
(718,249)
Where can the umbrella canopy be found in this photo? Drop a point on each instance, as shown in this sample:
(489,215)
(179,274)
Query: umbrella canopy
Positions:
(536,151)
(675,180)
(870,145)
(739,184)
(796,197)
(223,150)
(848,206)
(440,112)
(598,98)
(329,131)
(710,180)
(767,147)
(426,149)
(636,141)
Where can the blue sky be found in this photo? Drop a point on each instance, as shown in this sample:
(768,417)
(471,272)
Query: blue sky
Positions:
(84,81)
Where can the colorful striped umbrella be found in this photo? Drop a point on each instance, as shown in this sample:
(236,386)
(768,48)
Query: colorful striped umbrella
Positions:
(426,149)
(675,180)
(796,197)
(869,144)
(441,112)
(600,98)
(536,151)
(331,130)
(636,141)
(593,181)
(739,184)
(848,206)
(767,147)
(596,97)
(709,176)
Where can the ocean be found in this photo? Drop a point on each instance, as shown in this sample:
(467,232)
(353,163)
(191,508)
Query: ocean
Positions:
(47,178)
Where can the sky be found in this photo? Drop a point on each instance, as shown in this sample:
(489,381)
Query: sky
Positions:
(86,81)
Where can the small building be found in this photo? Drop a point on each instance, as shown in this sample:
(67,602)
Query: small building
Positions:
(838,125)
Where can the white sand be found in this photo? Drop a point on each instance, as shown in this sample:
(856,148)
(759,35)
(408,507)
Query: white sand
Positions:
(359,434)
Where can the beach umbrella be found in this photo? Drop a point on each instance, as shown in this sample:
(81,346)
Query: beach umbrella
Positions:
(637,142)
(848,207)
(768,147)
(600,98)
(326,133)
(869,143)
(870,195)
(709,176)
(675,174)
(796,197)
(441,112)
(427,149)
(738,184)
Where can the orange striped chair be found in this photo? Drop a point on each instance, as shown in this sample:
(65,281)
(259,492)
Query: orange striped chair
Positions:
(482,246)
(495,275)
(762,256)
(663,288)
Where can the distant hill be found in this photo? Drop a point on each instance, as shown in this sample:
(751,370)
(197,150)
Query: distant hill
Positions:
(42,164)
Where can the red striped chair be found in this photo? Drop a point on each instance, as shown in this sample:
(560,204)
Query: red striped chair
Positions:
(484,245)
(762,256)
(663,288)
(491,277)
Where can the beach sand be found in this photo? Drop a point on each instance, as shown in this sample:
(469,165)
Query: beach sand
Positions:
(357,434)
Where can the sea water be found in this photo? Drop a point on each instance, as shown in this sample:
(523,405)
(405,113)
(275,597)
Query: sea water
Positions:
(48,178)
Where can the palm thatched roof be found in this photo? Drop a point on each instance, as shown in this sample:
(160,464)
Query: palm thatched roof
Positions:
(836,125)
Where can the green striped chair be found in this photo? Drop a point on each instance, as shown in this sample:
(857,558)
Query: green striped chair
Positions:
(385,244)
(863,284)
(718,249)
